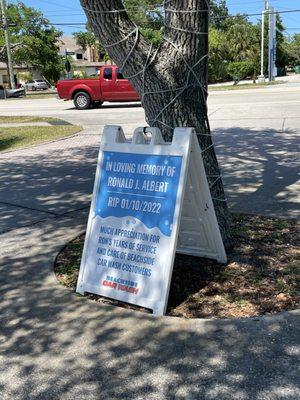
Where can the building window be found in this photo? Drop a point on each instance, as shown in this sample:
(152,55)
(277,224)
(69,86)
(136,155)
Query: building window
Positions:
(79,56)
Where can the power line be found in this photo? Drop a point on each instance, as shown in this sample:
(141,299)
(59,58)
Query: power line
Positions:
(58,5)
(62,15)
(255,14)
(219,17)
(71,26)
(246,3)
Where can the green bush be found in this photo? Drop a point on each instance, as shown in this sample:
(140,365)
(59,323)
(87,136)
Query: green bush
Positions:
(24,76)
(239,70)
(217,71)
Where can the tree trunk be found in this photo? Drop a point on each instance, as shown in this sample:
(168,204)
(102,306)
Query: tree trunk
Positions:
(171,79)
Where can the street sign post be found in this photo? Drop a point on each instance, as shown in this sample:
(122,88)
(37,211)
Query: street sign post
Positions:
(68,66)
(148,196)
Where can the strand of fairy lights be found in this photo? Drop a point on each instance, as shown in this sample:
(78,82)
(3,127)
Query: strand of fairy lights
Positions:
(150,59)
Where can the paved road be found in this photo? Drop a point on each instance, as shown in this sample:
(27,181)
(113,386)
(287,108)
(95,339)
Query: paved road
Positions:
(57,346)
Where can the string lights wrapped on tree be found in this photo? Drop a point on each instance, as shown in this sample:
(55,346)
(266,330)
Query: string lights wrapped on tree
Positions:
(171,78)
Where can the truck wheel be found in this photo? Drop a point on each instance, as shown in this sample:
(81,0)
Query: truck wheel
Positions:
(82,100)
(97,104)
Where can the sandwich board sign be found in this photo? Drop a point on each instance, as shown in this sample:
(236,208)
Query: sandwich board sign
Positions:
(149,197)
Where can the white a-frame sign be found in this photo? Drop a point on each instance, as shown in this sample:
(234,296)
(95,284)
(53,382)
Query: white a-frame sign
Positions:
(149,197)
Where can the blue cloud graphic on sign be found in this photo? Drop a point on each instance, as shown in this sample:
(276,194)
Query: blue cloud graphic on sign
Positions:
(142,186)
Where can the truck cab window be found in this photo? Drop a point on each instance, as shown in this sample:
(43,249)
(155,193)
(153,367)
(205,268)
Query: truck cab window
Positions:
(119,74)
(107,73)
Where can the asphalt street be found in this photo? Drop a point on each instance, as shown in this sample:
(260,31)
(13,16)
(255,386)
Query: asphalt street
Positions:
(55,345)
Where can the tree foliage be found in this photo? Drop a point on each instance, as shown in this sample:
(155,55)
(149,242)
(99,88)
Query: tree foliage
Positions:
(85,39)
(219,14)
(148,15)
(292,47)
(217,64)
(34,41)
(282,55)
(232,39)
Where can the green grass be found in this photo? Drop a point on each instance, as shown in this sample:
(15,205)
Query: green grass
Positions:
(33,96)
(41,92)
(68,269)
(23,136)
(244,86)
(19,119)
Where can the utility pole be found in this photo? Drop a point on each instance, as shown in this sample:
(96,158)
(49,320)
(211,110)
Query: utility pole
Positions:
(261,78)
(7,44)
(272,43)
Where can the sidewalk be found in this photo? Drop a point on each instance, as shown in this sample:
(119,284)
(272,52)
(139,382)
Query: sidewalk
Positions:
(289,79)
(55,345)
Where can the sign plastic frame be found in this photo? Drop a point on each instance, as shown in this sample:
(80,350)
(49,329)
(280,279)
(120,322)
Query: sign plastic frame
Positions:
(197,234)
(114,141)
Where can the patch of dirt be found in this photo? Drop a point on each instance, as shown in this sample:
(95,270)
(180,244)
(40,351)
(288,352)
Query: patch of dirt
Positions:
(261,277)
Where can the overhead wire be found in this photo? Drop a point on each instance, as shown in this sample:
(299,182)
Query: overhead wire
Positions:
(218,17)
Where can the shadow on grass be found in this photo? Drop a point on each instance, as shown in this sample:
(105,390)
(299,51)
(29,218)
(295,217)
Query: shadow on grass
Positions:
(58,122)
(7,143)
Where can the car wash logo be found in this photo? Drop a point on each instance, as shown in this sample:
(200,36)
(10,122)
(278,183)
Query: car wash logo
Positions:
(121,284)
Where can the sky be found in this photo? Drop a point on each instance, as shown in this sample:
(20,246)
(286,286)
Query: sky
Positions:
(70,11)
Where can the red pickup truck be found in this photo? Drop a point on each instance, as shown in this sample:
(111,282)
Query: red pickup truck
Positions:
(109,86)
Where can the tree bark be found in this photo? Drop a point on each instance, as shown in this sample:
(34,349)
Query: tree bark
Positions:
(171,79)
